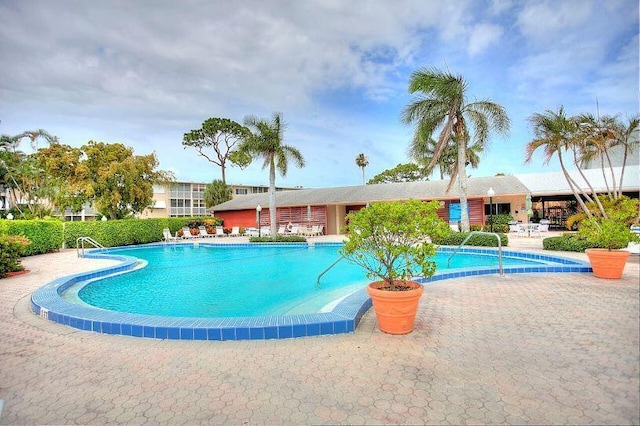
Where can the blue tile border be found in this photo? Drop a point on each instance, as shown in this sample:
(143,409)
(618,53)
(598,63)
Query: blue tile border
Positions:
(47,303)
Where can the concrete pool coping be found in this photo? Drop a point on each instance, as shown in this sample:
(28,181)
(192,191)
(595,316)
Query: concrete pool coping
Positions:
(47,303)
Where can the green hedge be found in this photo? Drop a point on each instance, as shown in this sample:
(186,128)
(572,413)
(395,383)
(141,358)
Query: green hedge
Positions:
(278,239)
(455,238)
(566,242)
(115,233)
(44,235)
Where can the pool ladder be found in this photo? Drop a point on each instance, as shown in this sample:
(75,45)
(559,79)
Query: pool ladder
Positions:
(80,245)
(471,234)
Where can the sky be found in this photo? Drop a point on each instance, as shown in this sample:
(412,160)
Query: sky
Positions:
(145,72)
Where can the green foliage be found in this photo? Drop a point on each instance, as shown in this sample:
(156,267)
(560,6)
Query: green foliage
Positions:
(115,233)
(222,136)
(567,242)
(613,231)
(217,192)
(409,172)
(456,238)
(44,235)
(11,248)
(120,184)
(390,240)
(278,239)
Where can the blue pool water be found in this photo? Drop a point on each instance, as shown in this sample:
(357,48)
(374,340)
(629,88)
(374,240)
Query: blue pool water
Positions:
(226,281)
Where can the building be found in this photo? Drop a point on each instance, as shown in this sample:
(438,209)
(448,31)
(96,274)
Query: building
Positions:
(550,195)
(186,199)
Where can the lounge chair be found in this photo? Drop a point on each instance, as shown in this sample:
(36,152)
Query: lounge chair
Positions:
(265,231)
(315,230)
(282,230)
(186,233)
(220,231)
(295,230)
(204,233)
(235,231)
(167,237)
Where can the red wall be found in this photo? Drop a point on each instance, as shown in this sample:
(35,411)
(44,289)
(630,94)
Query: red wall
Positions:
(244,218)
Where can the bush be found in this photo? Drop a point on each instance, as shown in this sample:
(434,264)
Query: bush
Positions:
(44,235)
(11,248)
(456,238)
(278,239)
(115,233)
(567,242)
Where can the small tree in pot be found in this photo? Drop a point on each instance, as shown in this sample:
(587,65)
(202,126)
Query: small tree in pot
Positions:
(391,241)
(610,233)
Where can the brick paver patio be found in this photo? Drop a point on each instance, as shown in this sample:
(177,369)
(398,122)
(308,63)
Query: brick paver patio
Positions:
(524,349)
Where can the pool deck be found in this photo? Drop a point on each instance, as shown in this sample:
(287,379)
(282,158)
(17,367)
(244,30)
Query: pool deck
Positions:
(526,349)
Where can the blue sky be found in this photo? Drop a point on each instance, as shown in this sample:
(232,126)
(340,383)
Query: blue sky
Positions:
(144,73)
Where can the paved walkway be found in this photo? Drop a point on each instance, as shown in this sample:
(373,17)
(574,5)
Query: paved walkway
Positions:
(525,349)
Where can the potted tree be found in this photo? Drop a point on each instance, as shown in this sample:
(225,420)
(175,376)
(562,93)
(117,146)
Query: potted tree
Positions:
(392,242)
(610,234)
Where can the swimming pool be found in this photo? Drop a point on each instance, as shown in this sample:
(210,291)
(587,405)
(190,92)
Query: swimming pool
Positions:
(53,303)
(212,281)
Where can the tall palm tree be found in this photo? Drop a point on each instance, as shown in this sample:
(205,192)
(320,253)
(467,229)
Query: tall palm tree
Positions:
(362,161)
(441,104)
(267,142)
(555,132)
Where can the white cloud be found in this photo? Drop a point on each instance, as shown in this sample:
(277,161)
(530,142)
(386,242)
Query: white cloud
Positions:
(482,36)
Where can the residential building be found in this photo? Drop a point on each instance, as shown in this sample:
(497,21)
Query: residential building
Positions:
(186,199)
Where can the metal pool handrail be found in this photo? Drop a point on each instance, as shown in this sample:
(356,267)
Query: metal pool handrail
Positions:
(472,233)
(80,244)
(327,270)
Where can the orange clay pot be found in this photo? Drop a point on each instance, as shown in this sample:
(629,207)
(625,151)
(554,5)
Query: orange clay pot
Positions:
(395,310)
(607,263)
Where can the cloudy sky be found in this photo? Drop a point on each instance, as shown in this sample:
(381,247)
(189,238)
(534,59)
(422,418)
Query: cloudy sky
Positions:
(145,72)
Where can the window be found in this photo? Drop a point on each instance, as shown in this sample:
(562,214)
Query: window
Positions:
(241,191)
(498,208)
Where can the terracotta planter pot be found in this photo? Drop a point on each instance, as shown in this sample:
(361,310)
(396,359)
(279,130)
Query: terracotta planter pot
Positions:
(395,310)
(607,263)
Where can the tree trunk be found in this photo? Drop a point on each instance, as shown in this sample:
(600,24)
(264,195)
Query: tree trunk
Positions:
(272,197)
(462,183)
(224,174)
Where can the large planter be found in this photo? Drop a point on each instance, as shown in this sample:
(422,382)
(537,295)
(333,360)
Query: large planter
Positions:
(607,263)
(395,310)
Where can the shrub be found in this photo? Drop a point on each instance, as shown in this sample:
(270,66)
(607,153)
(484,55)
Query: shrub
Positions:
(115,233)
(567,242)
(11,248)
(44,235)
(278,239)
(456,238)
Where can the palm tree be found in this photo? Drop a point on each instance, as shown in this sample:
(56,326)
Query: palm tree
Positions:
(362,161)
(267,142)
(441,104)
(423,146)
(555,132)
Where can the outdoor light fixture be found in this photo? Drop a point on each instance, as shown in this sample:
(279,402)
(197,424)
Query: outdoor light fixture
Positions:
(258,210)
(491,193)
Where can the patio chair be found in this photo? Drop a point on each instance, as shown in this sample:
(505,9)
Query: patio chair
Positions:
(167,237)
(186,233)
(513,227)
(633,247)
(204,233)
(282,230)
(522,230)
(315,230)
(544,225)
(235,231)
(220,231)
(295,230)
(265,231)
